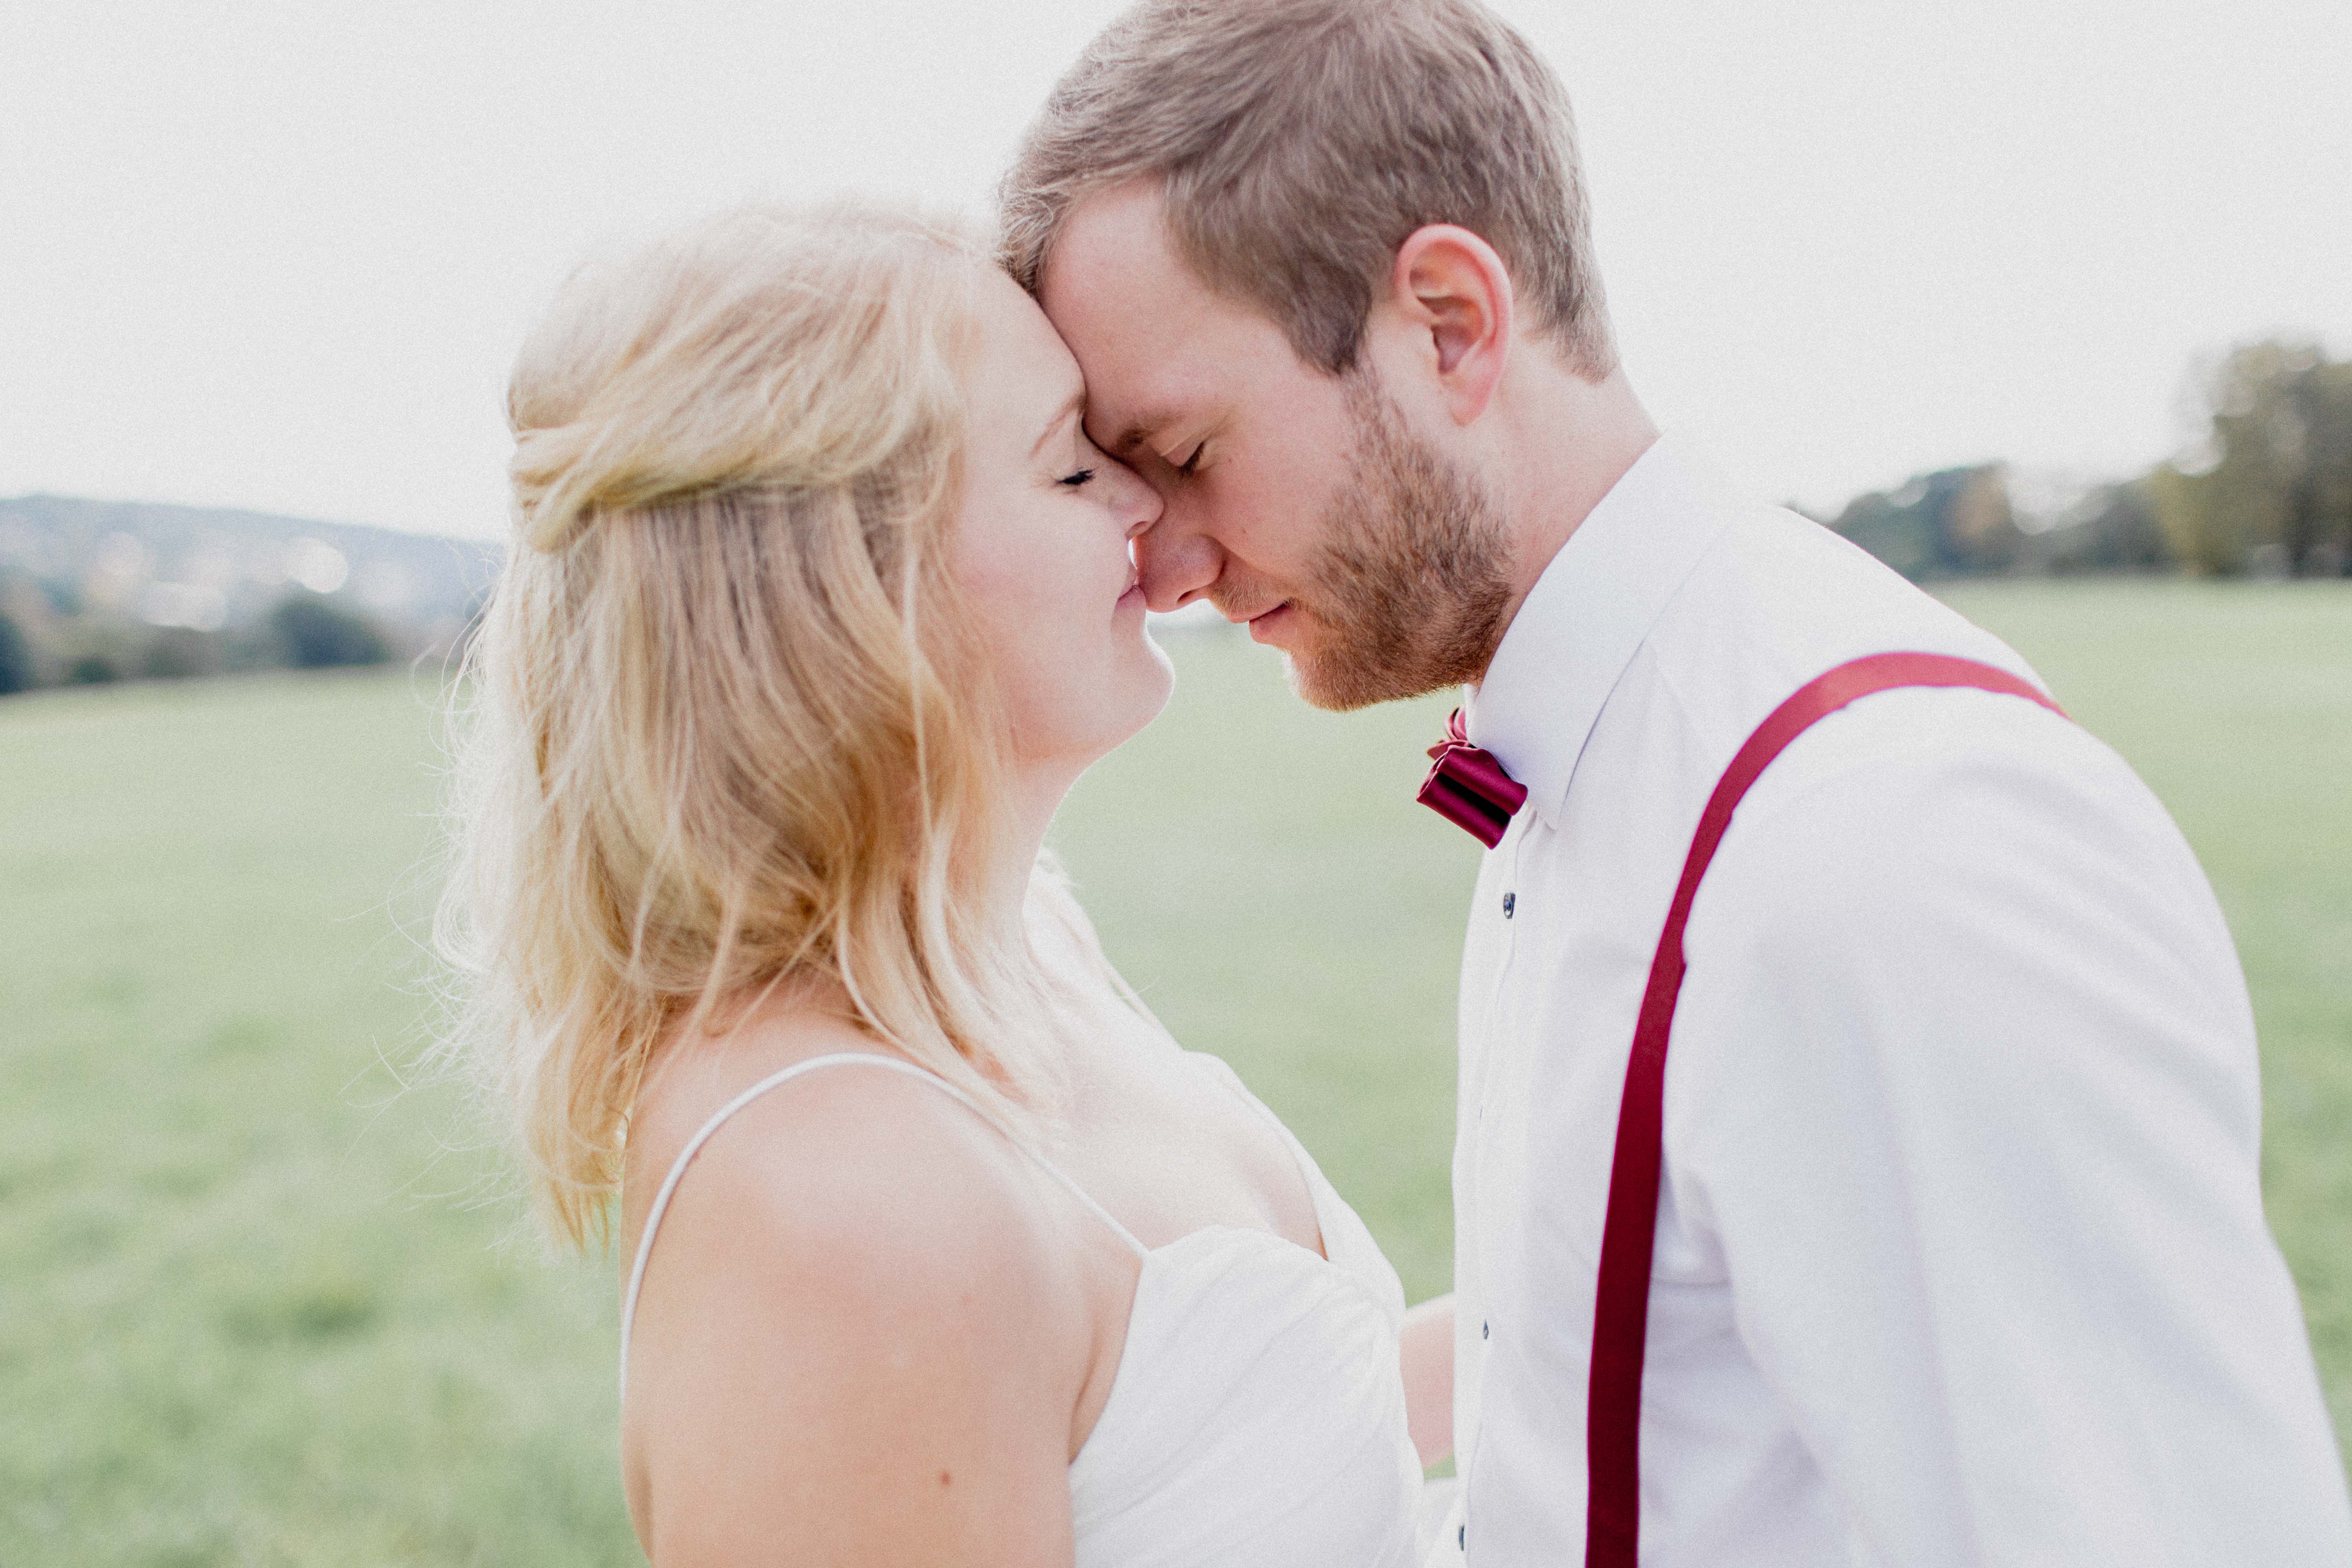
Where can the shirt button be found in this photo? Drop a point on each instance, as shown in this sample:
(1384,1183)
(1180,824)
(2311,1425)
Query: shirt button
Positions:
(1462,1538)
(1510,902)
(1484,1329)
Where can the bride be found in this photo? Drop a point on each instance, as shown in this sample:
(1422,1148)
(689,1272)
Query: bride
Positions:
(944,1252)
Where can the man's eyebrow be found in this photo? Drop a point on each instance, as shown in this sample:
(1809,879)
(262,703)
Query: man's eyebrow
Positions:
(1077,400)
(1139,430)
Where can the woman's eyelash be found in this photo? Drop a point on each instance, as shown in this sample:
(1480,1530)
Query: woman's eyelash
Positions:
(1189,464)
(1074,480)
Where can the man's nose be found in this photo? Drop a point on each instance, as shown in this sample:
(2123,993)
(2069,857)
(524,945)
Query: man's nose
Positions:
(1177,564)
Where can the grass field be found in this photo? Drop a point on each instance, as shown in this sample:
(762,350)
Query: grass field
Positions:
(249,1316)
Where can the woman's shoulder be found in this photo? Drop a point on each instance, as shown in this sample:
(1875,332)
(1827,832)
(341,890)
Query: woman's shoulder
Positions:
(853,1267)
(854,1162)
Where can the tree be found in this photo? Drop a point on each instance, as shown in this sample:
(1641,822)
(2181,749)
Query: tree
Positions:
(2113,529)
(316,635)
(17,668)
(1949,523)
(179,653)
(2272,487)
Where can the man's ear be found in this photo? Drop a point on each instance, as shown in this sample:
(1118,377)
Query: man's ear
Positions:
(1449,283)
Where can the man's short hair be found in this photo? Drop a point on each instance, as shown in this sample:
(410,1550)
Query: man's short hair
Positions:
(1300,141)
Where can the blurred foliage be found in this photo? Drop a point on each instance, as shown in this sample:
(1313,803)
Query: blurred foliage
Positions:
(103,591)
(2266,492)
(177,653)
(2270,490)
(2114,528)
(18,671)
(1950,523)
(39,646)
(316,634)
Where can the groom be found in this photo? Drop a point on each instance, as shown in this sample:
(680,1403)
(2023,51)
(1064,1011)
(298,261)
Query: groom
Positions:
(1950,1248)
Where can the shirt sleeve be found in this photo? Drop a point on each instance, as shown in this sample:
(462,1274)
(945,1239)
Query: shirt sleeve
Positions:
(1964,1093)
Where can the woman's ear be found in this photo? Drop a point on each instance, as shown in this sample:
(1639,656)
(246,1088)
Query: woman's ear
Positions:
(1449,283)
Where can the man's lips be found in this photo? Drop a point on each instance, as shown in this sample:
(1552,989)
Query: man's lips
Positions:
(1243,618)
(1267,625)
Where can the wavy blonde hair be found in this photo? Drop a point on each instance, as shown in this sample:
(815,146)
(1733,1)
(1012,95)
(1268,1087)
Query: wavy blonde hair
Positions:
(724,728)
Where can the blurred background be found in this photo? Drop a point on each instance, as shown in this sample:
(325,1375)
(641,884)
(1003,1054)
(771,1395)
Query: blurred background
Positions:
(2048,307)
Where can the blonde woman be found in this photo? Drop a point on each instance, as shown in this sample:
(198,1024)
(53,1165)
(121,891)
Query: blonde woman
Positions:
(942,1251)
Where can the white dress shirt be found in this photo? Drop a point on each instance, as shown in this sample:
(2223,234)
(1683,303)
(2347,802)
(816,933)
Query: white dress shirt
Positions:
(1960,1250)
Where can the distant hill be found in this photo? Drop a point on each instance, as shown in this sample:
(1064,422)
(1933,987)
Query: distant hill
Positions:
(206,568)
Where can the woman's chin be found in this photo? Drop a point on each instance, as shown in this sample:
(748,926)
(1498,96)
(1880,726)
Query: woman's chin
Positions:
(1154,682)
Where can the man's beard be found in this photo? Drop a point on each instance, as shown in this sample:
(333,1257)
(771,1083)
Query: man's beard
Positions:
(1409,592)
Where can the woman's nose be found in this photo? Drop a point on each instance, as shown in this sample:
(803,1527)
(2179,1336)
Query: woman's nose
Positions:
(1139,506)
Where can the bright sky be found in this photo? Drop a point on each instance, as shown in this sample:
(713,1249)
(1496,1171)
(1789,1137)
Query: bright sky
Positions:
(277,255)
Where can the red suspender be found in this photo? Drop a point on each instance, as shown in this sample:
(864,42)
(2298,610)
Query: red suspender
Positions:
(1622,1306)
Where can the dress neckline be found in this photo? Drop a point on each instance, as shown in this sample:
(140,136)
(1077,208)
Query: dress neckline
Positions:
(1122,1378)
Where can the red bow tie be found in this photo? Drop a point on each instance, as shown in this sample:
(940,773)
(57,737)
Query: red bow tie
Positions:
(1469,788)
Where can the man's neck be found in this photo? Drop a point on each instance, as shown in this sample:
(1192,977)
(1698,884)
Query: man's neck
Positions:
(1571,441)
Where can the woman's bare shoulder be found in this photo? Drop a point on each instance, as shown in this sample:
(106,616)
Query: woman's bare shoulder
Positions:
(869,1165)
(692,1076)
(856,1282)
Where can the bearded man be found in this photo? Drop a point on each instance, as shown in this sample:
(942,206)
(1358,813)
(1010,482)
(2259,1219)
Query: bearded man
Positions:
(1858,1144)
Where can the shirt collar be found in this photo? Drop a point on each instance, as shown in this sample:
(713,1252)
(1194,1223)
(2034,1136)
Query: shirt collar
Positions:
(1593,606)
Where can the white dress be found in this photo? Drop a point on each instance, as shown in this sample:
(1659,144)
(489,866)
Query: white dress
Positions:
(1256,1419)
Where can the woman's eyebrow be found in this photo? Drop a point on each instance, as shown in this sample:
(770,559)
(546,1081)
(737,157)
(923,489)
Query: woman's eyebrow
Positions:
(1077,400)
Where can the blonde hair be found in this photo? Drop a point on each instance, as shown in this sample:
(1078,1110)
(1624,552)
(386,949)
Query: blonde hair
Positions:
(1298,142)
(725,729)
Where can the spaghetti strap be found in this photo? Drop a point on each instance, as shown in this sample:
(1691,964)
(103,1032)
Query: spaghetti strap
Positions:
(837,1059)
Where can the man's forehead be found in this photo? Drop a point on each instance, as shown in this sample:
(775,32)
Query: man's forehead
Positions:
(1116,239)
(1143,375)
(1129,310)
(1160,347)
(1139,369)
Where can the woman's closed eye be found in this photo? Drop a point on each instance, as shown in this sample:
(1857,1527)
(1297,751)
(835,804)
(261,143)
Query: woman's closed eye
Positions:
(1076,479)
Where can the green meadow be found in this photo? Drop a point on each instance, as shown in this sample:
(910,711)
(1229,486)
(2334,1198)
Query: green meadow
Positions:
(264,1298)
